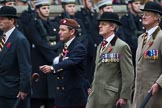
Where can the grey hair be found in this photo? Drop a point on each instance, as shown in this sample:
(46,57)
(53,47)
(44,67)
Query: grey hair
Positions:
(159,16)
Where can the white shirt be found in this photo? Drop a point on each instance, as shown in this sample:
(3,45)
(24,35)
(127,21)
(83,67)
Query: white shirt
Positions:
(109,39)
(56,59)
(150,32)
(8,33)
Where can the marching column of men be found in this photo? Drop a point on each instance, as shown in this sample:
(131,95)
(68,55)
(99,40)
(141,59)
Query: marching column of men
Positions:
(80,58)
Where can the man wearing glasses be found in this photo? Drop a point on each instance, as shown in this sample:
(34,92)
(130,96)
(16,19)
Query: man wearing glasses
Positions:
(149,58)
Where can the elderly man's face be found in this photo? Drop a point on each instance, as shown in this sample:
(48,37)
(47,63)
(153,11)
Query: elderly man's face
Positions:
(65,33)
(149,19)
(106,29)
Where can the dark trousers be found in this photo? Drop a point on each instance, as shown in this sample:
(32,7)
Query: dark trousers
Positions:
(36,103)
(71,107)
(14,103)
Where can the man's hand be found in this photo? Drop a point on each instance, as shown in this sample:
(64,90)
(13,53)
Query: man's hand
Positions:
(155,88)
(46,68)
(21,95)
(89,91)
(121,102)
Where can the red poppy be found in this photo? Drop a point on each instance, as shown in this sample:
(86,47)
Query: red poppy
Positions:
(150,43)
(8,45)
(109,49)
(65,52)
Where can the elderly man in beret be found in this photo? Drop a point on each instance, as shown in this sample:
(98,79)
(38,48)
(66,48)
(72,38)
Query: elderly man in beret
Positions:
(113,77)
(15,63)
(149,58)
(69,68)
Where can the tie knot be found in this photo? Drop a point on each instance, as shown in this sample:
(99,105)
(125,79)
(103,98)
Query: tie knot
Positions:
(4,35)
(104,43)
(145,35)
(65,46)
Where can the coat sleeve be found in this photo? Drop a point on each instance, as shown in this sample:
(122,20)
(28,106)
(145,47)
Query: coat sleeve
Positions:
(24,62)
(127,72)
(159,80)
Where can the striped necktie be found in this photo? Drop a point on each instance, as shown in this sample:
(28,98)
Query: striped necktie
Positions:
(2,42)
(103,45)
(64,53)
(145,39)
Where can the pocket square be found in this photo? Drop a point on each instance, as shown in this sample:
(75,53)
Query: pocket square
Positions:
(65,58)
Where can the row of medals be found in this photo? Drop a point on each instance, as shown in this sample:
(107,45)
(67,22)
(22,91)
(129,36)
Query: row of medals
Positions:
(151,54)
(110,57)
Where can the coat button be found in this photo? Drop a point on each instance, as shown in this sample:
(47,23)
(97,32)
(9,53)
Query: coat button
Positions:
(58,88)
(63,88)
(62,77)
(54,29)
(58,78)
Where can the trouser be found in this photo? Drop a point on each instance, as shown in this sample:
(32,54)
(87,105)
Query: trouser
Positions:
(37,103)
(70,107)
(14,102)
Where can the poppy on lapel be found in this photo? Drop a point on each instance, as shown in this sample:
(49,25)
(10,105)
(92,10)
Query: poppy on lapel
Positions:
(8,45)
(109,49)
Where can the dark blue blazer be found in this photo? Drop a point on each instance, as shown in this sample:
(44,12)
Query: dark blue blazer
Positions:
(70,85)
(15,66)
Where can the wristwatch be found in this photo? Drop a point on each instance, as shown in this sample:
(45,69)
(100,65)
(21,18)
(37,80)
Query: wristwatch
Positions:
(52,68)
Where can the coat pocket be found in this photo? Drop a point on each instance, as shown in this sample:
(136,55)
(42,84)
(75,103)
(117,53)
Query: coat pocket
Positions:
(111,88)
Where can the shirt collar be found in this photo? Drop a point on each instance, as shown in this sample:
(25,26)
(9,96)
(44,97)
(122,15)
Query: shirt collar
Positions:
(151,31)
(8,33)
(110,38)
(69,42)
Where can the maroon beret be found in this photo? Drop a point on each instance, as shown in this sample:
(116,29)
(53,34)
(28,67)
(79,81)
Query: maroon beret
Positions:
(69,22)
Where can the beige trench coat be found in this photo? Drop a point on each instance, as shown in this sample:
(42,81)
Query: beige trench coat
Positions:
(148,71)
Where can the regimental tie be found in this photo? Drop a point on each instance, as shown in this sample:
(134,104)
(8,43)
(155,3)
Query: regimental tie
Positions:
(103,45)
(2,42)
(64,53)
(145,39)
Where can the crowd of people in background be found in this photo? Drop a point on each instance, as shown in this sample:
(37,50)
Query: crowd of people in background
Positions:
(85,58)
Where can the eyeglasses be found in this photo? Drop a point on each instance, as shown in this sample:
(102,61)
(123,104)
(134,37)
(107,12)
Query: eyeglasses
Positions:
(147,15)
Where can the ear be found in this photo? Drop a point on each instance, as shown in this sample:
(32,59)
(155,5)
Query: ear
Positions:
(37,10)
(112,27)
(156,17)
(12,20)
(72,31)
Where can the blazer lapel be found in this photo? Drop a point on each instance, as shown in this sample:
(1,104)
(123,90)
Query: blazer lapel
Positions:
(73,43)
(5,48)
(98,56)
(140,49)
(148,44)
